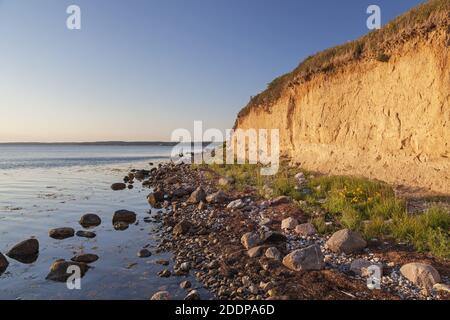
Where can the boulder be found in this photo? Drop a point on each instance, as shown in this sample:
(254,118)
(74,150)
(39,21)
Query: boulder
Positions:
(3,263)
(255,251)
(274,237)
(273,253)
(85,258)
(280,200)
(346,241)
(186,284)
(118,186)
(198,195)
(193,295)
(124,216)
(120,226)
(217,197)
(226,181)
(86,234)
(25,251)
(300,179)
(59,270)
(250,240)
(305,229)
(182,228)
(141,174)
(61,233)
(360,267)
(180,192)
(154,198)
(236,204)
(441,287)
(309,258)
(90,220)
(421,274)
(144,253)
(289,223)
(161,295)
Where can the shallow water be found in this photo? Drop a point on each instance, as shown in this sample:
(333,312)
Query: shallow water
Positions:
(43,189)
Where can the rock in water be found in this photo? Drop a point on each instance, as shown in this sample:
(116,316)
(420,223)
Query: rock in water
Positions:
(161,295)
(124,216)
(154,198)
(86,234)
(25,251)
(144,253)
(305,229)
(118,186)
(346,241)
(193,295)
(120,226)
(309,258)
(59,270)
(61,233)
(250,240)
(85,258)
(3,263)
(421,274)
(185,284)
(90,220)
(289,223)
(198,195)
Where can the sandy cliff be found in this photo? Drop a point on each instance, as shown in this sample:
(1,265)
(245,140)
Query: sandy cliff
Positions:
(381,116)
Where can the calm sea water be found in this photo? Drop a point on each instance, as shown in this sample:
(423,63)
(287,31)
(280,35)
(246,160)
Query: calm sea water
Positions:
(50,186)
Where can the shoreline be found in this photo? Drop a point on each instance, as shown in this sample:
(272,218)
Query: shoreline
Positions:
(204,229)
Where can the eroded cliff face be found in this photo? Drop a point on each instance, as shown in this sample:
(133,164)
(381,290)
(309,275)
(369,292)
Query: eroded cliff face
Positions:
(384,120)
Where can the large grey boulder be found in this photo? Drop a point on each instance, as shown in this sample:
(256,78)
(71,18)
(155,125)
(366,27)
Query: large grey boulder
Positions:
(289,223)
(360,267)
(346,241)
(250,240)
(305,229)
(421,274)
(309,258)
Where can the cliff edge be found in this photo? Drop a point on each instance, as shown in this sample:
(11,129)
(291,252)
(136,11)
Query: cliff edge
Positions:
(377,107)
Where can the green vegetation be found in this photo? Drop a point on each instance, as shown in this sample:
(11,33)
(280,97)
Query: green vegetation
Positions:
(426,16)
(367,206)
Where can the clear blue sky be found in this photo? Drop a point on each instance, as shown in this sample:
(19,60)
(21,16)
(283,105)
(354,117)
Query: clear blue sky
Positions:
(140,68)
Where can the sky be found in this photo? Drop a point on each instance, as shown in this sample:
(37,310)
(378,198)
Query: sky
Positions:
(138,69)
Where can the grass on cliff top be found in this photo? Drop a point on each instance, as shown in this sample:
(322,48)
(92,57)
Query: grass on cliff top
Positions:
(360,204)
(373,44)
